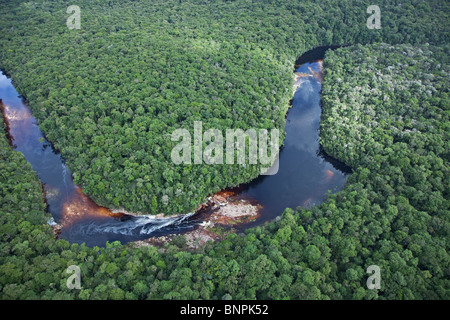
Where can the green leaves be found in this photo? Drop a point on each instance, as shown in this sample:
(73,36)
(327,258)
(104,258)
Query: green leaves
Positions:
(229,64)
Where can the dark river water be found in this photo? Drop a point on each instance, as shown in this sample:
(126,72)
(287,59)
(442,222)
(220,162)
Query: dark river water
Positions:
(304,178)
(305,174)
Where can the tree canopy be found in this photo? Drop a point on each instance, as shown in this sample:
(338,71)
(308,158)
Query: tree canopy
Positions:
(109,94)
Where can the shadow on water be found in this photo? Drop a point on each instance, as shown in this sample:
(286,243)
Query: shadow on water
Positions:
(315,54)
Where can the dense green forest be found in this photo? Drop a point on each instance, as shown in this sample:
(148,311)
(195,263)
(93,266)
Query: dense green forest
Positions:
(108,95)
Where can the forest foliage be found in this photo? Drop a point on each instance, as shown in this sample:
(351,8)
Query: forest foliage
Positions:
(110,94)
(385,113)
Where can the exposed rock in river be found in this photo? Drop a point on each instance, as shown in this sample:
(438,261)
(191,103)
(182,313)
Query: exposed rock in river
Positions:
(222,210)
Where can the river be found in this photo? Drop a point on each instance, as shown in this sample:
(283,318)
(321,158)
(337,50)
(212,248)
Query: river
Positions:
(305,176)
